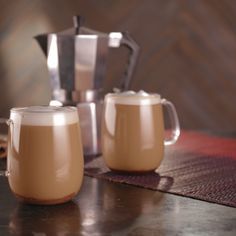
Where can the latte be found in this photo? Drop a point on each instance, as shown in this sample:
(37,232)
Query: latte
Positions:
(45,158)
(133,132)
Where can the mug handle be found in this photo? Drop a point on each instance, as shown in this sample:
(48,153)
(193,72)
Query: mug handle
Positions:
(6,122)
(174,120)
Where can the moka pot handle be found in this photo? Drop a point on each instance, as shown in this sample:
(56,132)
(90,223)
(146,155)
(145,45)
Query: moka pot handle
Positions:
(118,39)
(133,48)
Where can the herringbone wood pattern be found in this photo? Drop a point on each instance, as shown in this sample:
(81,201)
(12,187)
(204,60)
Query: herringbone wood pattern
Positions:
(188,52)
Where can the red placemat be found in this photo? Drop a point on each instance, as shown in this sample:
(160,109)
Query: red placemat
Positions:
(200,166)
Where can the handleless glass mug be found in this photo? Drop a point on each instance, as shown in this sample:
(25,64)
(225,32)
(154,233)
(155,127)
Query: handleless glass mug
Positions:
(45,157)
(133,131)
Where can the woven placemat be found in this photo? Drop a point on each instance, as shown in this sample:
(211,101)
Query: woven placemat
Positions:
(199,166)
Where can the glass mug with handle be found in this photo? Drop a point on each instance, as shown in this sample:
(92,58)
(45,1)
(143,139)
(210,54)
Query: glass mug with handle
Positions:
(45,157)
(133,131)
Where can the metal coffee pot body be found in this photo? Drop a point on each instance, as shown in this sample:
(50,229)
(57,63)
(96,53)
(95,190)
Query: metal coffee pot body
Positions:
(77,67)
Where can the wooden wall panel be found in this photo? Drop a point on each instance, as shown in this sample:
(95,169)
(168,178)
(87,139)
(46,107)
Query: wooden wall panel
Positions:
(188,52)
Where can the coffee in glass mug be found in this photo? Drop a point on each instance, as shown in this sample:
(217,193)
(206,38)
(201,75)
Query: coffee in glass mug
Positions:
(45,157)
(133,136)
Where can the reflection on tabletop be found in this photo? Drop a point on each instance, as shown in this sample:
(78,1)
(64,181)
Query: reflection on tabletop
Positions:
(45,220)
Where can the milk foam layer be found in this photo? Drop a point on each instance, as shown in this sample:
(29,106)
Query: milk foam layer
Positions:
(133,98)
(44,115)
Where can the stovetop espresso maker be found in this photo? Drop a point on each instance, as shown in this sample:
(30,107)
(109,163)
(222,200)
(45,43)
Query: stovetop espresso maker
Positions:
(76,61)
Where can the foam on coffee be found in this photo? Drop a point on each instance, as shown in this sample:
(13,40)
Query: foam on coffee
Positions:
(44,115)
(134,98)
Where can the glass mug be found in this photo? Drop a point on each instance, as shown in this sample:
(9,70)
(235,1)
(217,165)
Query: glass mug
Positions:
(45,158)
(133,131)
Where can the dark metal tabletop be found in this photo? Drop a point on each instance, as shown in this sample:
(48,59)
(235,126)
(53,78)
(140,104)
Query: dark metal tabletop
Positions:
(105,208)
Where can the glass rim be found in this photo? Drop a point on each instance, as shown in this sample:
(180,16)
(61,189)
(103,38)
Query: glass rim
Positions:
(133,99)
(43,109)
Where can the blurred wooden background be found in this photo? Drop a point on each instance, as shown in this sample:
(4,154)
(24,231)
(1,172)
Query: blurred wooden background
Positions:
(188,52)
